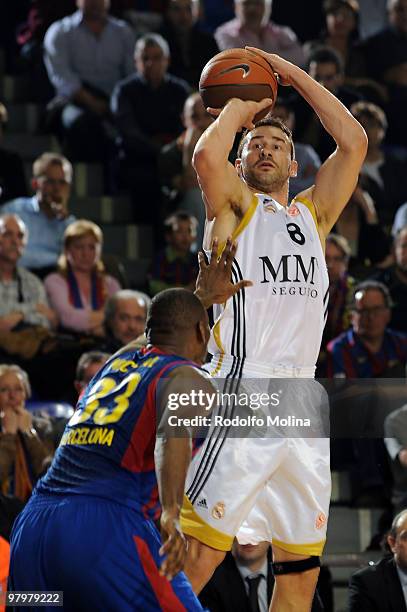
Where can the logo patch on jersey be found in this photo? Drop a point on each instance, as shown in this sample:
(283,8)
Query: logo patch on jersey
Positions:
(320,520)
(202,503)
(218,511)
(268,206)
(293,211)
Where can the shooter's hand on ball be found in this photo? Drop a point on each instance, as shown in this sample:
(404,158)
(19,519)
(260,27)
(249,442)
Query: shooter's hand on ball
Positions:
(280,66)
(246,109)
(214,285)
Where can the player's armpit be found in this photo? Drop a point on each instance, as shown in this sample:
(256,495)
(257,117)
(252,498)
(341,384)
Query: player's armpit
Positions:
(219,182)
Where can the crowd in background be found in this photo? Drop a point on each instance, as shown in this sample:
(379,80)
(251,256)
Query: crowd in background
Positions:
(117,85)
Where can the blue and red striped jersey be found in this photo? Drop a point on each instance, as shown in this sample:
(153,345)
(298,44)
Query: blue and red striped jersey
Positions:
(107,449)
(349,357)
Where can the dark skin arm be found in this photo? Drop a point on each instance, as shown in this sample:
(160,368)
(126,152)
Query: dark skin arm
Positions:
(172,458)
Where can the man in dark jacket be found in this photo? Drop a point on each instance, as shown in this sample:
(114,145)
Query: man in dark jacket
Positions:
(382,587)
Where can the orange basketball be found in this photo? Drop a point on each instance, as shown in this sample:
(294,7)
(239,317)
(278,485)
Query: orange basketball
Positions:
(237,73)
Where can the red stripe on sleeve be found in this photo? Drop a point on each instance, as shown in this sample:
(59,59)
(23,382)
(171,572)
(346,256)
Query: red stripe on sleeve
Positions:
(139,456)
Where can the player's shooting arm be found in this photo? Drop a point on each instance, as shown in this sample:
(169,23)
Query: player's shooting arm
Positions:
(343,166)
(341,169)
(216,175)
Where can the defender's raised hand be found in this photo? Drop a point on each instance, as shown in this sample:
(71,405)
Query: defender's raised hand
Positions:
(214,284)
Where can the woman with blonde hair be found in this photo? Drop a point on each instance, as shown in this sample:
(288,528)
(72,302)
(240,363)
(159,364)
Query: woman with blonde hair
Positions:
(80,287)
(22,452)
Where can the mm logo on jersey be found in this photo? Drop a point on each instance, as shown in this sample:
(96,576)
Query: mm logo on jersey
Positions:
(290,269)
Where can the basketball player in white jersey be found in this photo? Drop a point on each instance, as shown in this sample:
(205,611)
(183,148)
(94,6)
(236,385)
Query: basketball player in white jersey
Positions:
(269,488)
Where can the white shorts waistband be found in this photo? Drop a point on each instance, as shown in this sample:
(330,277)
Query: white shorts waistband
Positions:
(222,364)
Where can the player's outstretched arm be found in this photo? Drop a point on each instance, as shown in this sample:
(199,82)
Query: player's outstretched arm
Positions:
(341,169)
(214,285)
(173,455)
(217,176)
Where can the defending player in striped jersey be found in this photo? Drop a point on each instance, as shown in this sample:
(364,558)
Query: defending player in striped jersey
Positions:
(88,528)
(269,488)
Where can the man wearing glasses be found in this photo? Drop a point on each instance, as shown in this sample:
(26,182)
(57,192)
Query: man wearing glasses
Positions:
(46,214)
(369,349)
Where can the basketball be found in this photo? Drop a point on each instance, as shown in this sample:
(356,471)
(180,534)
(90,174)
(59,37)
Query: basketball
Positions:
(237,73)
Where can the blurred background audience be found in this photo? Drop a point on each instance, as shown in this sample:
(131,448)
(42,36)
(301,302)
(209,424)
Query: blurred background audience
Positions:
(176,265)
(125,318)
(79,289)
(46,214)
(252,26)
(99,112)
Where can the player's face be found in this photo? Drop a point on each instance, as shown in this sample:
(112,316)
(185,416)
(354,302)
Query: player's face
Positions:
(401,250)
(266,159)
(53,189)
(12,239)
(398,545)
(370,316)
(12,391)
(129,320)
(335,261)
(83,253)
(151,63)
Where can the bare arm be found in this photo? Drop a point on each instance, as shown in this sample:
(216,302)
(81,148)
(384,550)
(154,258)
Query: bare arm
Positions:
(172,458)
(216,175)
(337,177)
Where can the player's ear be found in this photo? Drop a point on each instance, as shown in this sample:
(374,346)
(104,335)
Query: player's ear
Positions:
(293,168)
(238,165)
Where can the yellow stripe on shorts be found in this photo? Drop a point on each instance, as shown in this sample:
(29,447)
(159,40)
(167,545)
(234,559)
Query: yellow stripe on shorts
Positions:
(313,548)
(192,524)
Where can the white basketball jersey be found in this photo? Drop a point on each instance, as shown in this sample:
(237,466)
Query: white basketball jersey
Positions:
(279,321)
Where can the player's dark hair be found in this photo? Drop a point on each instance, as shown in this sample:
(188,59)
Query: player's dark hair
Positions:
(171,313)
(268,121)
